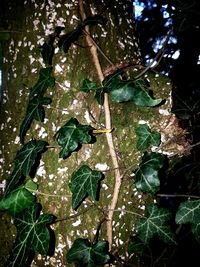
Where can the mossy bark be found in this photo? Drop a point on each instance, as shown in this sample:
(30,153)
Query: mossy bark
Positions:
(29,22)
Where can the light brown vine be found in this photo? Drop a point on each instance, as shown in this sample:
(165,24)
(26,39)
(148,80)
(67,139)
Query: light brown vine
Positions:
(108,125)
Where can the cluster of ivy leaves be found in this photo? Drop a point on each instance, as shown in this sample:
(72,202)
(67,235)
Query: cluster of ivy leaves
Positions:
(19,200)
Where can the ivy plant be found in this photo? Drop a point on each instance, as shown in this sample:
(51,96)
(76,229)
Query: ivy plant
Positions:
(32,226)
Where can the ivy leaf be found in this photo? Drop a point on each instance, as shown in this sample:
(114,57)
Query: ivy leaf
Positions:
(32,235)
(186,107)
(85,254)
(88,86)
(44,81)
(155,224)
(136,91)
(47,49)
(84,182)
(100,96)
(31,186)
(71,37)
(147,175)
(67,39)
(24,160)
(35,110)
(72,135)
(189,212)
(17,200)
(146,137)
(136,245)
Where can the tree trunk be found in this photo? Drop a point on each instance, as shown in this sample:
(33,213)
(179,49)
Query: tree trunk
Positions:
(29,23)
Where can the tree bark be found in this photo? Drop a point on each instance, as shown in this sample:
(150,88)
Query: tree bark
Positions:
(29,25)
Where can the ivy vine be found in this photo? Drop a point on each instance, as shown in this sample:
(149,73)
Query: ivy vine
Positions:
(20,201)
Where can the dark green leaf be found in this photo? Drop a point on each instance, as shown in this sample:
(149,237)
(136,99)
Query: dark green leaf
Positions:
(100,96)
(47,49)
(155,224)
(35,110)
(136,245)
(44,81)
(66,40)
(136,91)
(72,135)
(17,200)
(88,86)
(146,137)
(24,160)
(186,107)
(47,52)
(189,212)
(4,36)
(85,254)
(32,235)
(84,182)
(147,175)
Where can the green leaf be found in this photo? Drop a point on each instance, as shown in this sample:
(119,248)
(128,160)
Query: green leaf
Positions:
(146,137)
(71,37)
(24,160)
(47,49)
(88,86)
(35,110)
(136,245)
(72,135)
(136,91)
(85,254)
(147,175)
(84,182)
(189,212)
(31,186)
(100,96)
(17,200)
(44,81)
(32,235)
(155,224)
(67,39)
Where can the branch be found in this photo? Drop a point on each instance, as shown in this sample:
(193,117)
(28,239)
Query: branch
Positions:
(74,215)
(178,195)
(108,125)
(157,58)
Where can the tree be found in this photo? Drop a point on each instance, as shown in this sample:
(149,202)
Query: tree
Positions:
(89,54)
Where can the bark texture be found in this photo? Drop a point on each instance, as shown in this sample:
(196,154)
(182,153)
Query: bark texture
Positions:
(29,23)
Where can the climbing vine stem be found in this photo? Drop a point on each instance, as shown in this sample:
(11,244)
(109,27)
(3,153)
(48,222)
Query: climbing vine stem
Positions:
(108,125)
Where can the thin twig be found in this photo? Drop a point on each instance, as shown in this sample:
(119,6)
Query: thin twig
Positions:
(157,58)
(108,125)
(178,195)
(98,48)
(51,195)
(74,215)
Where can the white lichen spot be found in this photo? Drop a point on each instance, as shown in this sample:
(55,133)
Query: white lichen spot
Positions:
(143,122)
(87,117)
(17,140)
(164,112)
(41,170)
(62,170)
(42,133)
(58,68)
(105,186)
(77,223)
(102,166)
